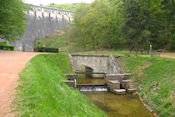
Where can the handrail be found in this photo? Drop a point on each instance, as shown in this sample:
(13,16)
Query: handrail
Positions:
(90,73)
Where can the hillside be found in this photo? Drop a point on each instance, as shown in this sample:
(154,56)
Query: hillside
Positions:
(70,7)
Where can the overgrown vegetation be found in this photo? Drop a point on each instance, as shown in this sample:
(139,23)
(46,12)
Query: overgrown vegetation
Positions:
(155,77)
(129,24)
(3,44)
(70,7)
(55,40)
(12,19)
(42,93)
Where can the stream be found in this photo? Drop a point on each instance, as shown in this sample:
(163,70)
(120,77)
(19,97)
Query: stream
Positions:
(113,105)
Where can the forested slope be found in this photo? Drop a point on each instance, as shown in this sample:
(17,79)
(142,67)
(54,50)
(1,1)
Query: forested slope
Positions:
(124,24)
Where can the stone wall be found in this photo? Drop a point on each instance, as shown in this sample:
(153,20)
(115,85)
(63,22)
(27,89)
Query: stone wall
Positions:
(114,66)
(99,63)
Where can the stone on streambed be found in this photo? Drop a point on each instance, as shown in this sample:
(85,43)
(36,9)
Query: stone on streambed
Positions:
(120,91)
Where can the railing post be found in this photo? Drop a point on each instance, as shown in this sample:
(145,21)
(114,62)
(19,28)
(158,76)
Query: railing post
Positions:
(150,50)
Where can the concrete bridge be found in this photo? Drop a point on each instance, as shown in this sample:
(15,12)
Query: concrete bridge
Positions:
(41,21)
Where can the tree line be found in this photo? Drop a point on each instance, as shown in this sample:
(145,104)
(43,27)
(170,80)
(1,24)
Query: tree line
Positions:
(124,24)
(12,19)
(113,24)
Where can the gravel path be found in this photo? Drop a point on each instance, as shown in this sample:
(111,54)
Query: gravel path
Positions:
(168,55)
(11,63)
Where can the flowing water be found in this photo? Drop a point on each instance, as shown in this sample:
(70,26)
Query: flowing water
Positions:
(119,105)
(83,80)
(92,88)
(115,105)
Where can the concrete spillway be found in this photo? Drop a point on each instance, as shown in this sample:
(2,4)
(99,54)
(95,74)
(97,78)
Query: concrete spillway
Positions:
(92,87)
(99,66)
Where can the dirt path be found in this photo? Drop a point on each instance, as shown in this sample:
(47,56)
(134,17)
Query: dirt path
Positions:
(168,55)
(11,63)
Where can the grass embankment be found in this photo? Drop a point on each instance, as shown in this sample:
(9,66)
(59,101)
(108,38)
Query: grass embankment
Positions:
(42,93)
(112,52)
(155,77)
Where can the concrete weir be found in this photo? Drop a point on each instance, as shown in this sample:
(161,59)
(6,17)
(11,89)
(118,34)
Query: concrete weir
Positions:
(106,66)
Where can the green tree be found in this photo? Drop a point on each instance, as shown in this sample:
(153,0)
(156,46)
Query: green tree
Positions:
(135,28)
(75,32)
(169,22)
(126,24)
(12,19)
(98,24)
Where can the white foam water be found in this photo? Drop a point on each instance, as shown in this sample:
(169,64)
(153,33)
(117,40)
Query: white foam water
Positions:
(88,89)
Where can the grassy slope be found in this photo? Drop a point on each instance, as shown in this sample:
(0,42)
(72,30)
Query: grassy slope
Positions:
(71,7)
(159,72)
(42,93)
(111,52)
(54,40)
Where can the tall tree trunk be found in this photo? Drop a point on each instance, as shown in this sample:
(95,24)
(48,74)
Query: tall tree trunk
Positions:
(84,43)
(93,43)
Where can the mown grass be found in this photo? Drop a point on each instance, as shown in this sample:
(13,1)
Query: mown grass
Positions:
(42,93)
(155,77)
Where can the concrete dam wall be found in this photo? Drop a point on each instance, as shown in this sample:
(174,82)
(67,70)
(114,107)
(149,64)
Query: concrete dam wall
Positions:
(41,21)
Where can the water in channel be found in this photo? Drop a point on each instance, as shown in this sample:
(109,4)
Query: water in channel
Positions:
(115,105)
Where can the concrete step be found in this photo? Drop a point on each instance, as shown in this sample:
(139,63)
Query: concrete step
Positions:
(120,91)
(132,85)
(113,84)
(126,81)
(70,83)
(118,77)
(128,84)
(131,90)
(114,81)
